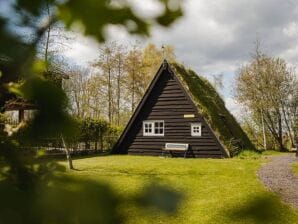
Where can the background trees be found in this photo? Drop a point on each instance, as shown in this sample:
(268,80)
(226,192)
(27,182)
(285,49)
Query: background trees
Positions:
(268,86)
(116,82)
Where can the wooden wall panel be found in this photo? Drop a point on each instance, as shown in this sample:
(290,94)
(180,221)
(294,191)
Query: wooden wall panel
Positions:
(168,102)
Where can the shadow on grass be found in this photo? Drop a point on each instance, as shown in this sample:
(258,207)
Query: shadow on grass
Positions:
(115,172)
(261,209)
(70,201)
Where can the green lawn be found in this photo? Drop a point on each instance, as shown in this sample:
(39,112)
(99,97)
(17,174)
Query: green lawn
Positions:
(272,153)
(295,168)
(215,191)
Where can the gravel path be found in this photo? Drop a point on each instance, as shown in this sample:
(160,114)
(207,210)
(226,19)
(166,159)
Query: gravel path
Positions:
(277,175)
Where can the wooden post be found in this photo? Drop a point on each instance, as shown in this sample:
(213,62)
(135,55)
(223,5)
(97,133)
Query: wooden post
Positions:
(101,141)
(296,145)
(21,115)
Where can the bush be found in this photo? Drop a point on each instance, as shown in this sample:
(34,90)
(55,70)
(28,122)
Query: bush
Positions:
(249,154)
(112,135)
(97,131)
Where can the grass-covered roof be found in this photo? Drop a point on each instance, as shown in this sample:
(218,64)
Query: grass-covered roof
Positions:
(213,108)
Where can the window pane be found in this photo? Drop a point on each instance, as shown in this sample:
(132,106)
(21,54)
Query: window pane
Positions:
(196,129)
(151,128)
(158,124)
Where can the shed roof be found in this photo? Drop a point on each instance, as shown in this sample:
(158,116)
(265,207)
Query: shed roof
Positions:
(18,104)
(212,107)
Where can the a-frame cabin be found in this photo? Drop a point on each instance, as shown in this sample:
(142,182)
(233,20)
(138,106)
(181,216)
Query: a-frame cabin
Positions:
(167,114)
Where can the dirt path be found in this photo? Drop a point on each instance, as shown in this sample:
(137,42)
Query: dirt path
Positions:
(277,175)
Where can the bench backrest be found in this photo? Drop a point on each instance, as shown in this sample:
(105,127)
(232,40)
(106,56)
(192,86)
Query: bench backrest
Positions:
(176,146)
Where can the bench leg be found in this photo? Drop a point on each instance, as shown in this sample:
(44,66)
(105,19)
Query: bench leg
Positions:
(193,155)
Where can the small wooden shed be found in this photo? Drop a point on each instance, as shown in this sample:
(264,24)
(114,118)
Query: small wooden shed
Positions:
(22,108)
(169,113)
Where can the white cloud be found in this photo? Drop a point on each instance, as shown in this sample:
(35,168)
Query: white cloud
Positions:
(82,50)
(217,36)
(233,107)
(291,30)
(220,34)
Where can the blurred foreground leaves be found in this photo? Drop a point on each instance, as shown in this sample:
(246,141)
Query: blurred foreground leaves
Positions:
(31,191)
(67,200)
(63,200)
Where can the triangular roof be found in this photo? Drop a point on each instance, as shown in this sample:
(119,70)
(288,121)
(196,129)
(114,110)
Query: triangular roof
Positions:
(208,103)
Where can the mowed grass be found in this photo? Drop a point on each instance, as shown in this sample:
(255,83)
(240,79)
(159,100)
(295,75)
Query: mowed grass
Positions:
(215,191)
(295,168)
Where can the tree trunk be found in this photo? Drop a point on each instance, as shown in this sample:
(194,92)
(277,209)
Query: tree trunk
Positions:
(68,155)
(264,131)
(48,36)
(133,92)
(288,126)
(109,89)
(277,134)
(95,146)
(109,97)
(118,91)
(280,136)
(21,115)
(101,142)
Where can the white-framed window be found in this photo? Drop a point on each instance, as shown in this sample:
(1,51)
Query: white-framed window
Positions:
(153,128)
(196,129)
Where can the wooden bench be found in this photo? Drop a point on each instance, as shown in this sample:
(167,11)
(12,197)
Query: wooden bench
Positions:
(175,147)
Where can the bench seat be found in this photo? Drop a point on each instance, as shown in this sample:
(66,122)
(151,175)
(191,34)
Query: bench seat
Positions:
(175,147)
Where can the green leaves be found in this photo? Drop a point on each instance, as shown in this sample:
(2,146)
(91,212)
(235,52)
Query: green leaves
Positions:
(22,198)
(33,7)
(64,200)
(51,118)
(95,15)
(91,129)
(169,16)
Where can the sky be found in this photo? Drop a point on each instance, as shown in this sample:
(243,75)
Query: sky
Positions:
(216,36)
(213,37)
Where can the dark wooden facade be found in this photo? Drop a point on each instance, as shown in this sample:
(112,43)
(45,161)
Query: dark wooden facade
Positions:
(167,100)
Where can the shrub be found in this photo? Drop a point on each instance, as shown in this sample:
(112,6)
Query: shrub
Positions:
(249,154)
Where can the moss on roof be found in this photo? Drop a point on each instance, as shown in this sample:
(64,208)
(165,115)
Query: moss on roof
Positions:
(213,108)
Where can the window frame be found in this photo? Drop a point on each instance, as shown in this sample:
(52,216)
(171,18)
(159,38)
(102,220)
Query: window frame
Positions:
(195,125)
(152,123)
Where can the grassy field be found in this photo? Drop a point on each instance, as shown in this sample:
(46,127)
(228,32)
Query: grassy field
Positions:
(295,168)
(215,191)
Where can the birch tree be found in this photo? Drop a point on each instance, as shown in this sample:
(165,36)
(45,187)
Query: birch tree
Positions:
(120,55)
(267,86)
(134,75)
(106,65)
